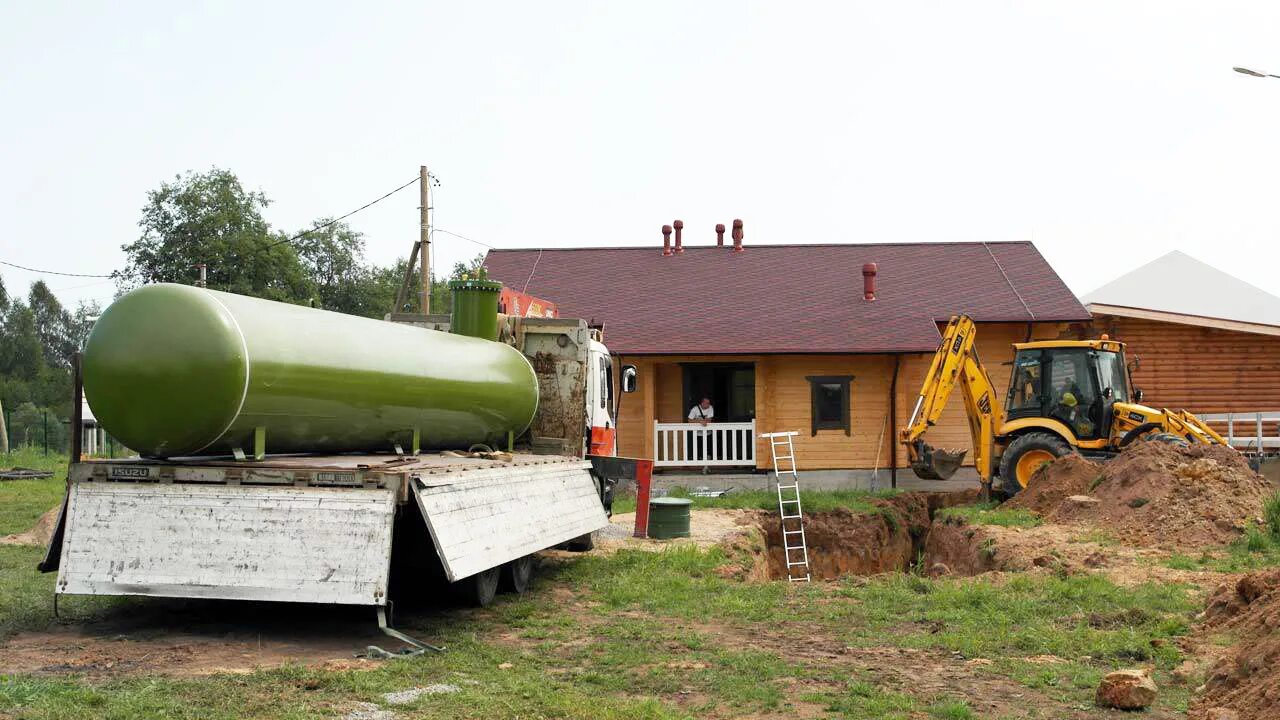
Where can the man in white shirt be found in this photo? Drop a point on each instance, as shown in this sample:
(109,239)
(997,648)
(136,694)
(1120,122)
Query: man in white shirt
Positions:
(702,413)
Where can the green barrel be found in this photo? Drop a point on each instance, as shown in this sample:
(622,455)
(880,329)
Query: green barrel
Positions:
(475,308)
(669,518)
(173,370)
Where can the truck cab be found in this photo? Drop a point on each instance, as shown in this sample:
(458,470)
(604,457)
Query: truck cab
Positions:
(602,407)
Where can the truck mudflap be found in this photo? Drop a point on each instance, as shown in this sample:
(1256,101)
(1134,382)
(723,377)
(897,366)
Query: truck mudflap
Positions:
(479,519)
(243,542)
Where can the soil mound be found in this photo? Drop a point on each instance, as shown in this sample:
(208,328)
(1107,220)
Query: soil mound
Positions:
(1053,483)
(1153,494)
(39,534)
(1247,678)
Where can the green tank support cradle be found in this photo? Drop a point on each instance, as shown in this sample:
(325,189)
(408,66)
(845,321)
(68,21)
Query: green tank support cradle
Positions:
(175,370)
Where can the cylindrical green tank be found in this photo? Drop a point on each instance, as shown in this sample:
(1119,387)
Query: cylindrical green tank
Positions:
(174,370)
(669,518)
(475,308)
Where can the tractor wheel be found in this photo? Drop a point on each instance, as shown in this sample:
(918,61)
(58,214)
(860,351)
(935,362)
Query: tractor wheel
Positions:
(1025,455)
(1151,432)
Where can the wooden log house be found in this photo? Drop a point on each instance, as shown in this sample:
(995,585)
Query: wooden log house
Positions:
(792,337)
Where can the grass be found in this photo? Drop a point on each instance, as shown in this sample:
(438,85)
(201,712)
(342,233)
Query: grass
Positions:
(989,514)
(859,501)
(654,635)
(1271,515)
(1097,536)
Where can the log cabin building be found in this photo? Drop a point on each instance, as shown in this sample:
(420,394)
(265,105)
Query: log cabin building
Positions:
(829,340)
(1205,340)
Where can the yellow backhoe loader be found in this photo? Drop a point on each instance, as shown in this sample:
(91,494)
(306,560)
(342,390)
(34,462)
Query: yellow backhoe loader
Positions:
(1064,396)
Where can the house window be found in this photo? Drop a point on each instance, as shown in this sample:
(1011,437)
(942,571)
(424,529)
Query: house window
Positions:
(829,402)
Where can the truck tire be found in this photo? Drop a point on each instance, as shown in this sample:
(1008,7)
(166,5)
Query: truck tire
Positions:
(1025,455)
(517,575)
(582,543)
(480,589)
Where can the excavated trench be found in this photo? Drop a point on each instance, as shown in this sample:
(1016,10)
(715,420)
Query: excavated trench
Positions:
(892,538)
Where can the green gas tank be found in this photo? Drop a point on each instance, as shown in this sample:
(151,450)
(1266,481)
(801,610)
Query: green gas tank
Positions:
(174,370)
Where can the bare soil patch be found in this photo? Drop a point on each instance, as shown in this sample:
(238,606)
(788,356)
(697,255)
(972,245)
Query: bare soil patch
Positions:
(85,652)
(189,638)
(707,527)
(955,547)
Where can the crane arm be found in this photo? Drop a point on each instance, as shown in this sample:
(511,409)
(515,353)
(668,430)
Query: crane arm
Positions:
(955,363)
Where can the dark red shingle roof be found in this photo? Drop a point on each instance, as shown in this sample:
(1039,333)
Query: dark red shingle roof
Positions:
(788,298)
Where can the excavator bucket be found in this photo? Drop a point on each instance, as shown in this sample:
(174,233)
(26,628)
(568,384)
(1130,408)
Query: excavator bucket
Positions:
(937,464)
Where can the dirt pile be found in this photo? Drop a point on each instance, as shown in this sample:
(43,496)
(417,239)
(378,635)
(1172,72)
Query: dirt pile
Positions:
(1247,679)
(1054,483)
(39,533)
(1153,494)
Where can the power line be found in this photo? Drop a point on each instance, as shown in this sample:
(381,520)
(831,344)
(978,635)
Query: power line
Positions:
(317,228)
(51,272)
(462,237)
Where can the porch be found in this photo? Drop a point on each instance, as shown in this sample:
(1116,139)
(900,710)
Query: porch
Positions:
(717,445)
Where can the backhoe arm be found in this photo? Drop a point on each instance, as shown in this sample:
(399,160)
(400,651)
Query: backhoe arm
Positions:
(955,363)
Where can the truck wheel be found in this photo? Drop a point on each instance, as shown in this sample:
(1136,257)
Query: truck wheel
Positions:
(582,543)
(517,574)
(1025,455)
(481,587)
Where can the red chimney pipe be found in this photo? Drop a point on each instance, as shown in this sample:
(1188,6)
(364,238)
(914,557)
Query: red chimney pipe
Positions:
(679,226)
(737,236)
(719,234)
(869,272)
(666,240)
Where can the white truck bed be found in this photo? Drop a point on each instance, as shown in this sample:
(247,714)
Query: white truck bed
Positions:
(308,529)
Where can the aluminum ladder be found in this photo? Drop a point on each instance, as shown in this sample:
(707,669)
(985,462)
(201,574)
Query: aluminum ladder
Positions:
(794,549)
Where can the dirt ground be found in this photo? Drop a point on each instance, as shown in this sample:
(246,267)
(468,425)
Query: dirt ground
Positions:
(707,527)
(190,638)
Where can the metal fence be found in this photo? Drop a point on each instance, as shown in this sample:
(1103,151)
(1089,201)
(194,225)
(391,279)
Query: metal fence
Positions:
(1246,431)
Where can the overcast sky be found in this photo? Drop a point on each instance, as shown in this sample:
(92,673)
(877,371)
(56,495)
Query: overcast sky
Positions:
(1107,136)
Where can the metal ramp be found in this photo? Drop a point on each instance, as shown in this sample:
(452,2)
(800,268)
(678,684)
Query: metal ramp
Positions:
(794,549)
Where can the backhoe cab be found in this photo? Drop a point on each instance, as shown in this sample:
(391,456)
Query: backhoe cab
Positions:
(1064,396)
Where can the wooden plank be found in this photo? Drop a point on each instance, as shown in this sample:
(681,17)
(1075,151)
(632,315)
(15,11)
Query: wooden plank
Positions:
(237,543)
(486,518)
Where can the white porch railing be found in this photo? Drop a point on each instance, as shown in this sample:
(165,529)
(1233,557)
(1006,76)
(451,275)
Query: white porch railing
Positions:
(1244,429)
(711,445)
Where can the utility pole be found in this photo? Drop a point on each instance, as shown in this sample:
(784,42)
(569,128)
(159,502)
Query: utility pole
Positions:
(4,432)
(424,238)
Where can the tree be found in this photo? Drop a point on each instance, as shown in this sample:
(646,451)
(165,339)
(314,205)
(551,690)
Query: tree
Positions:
(81,323)
(333,260)
(210,218)
(21,352)
(52,325)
